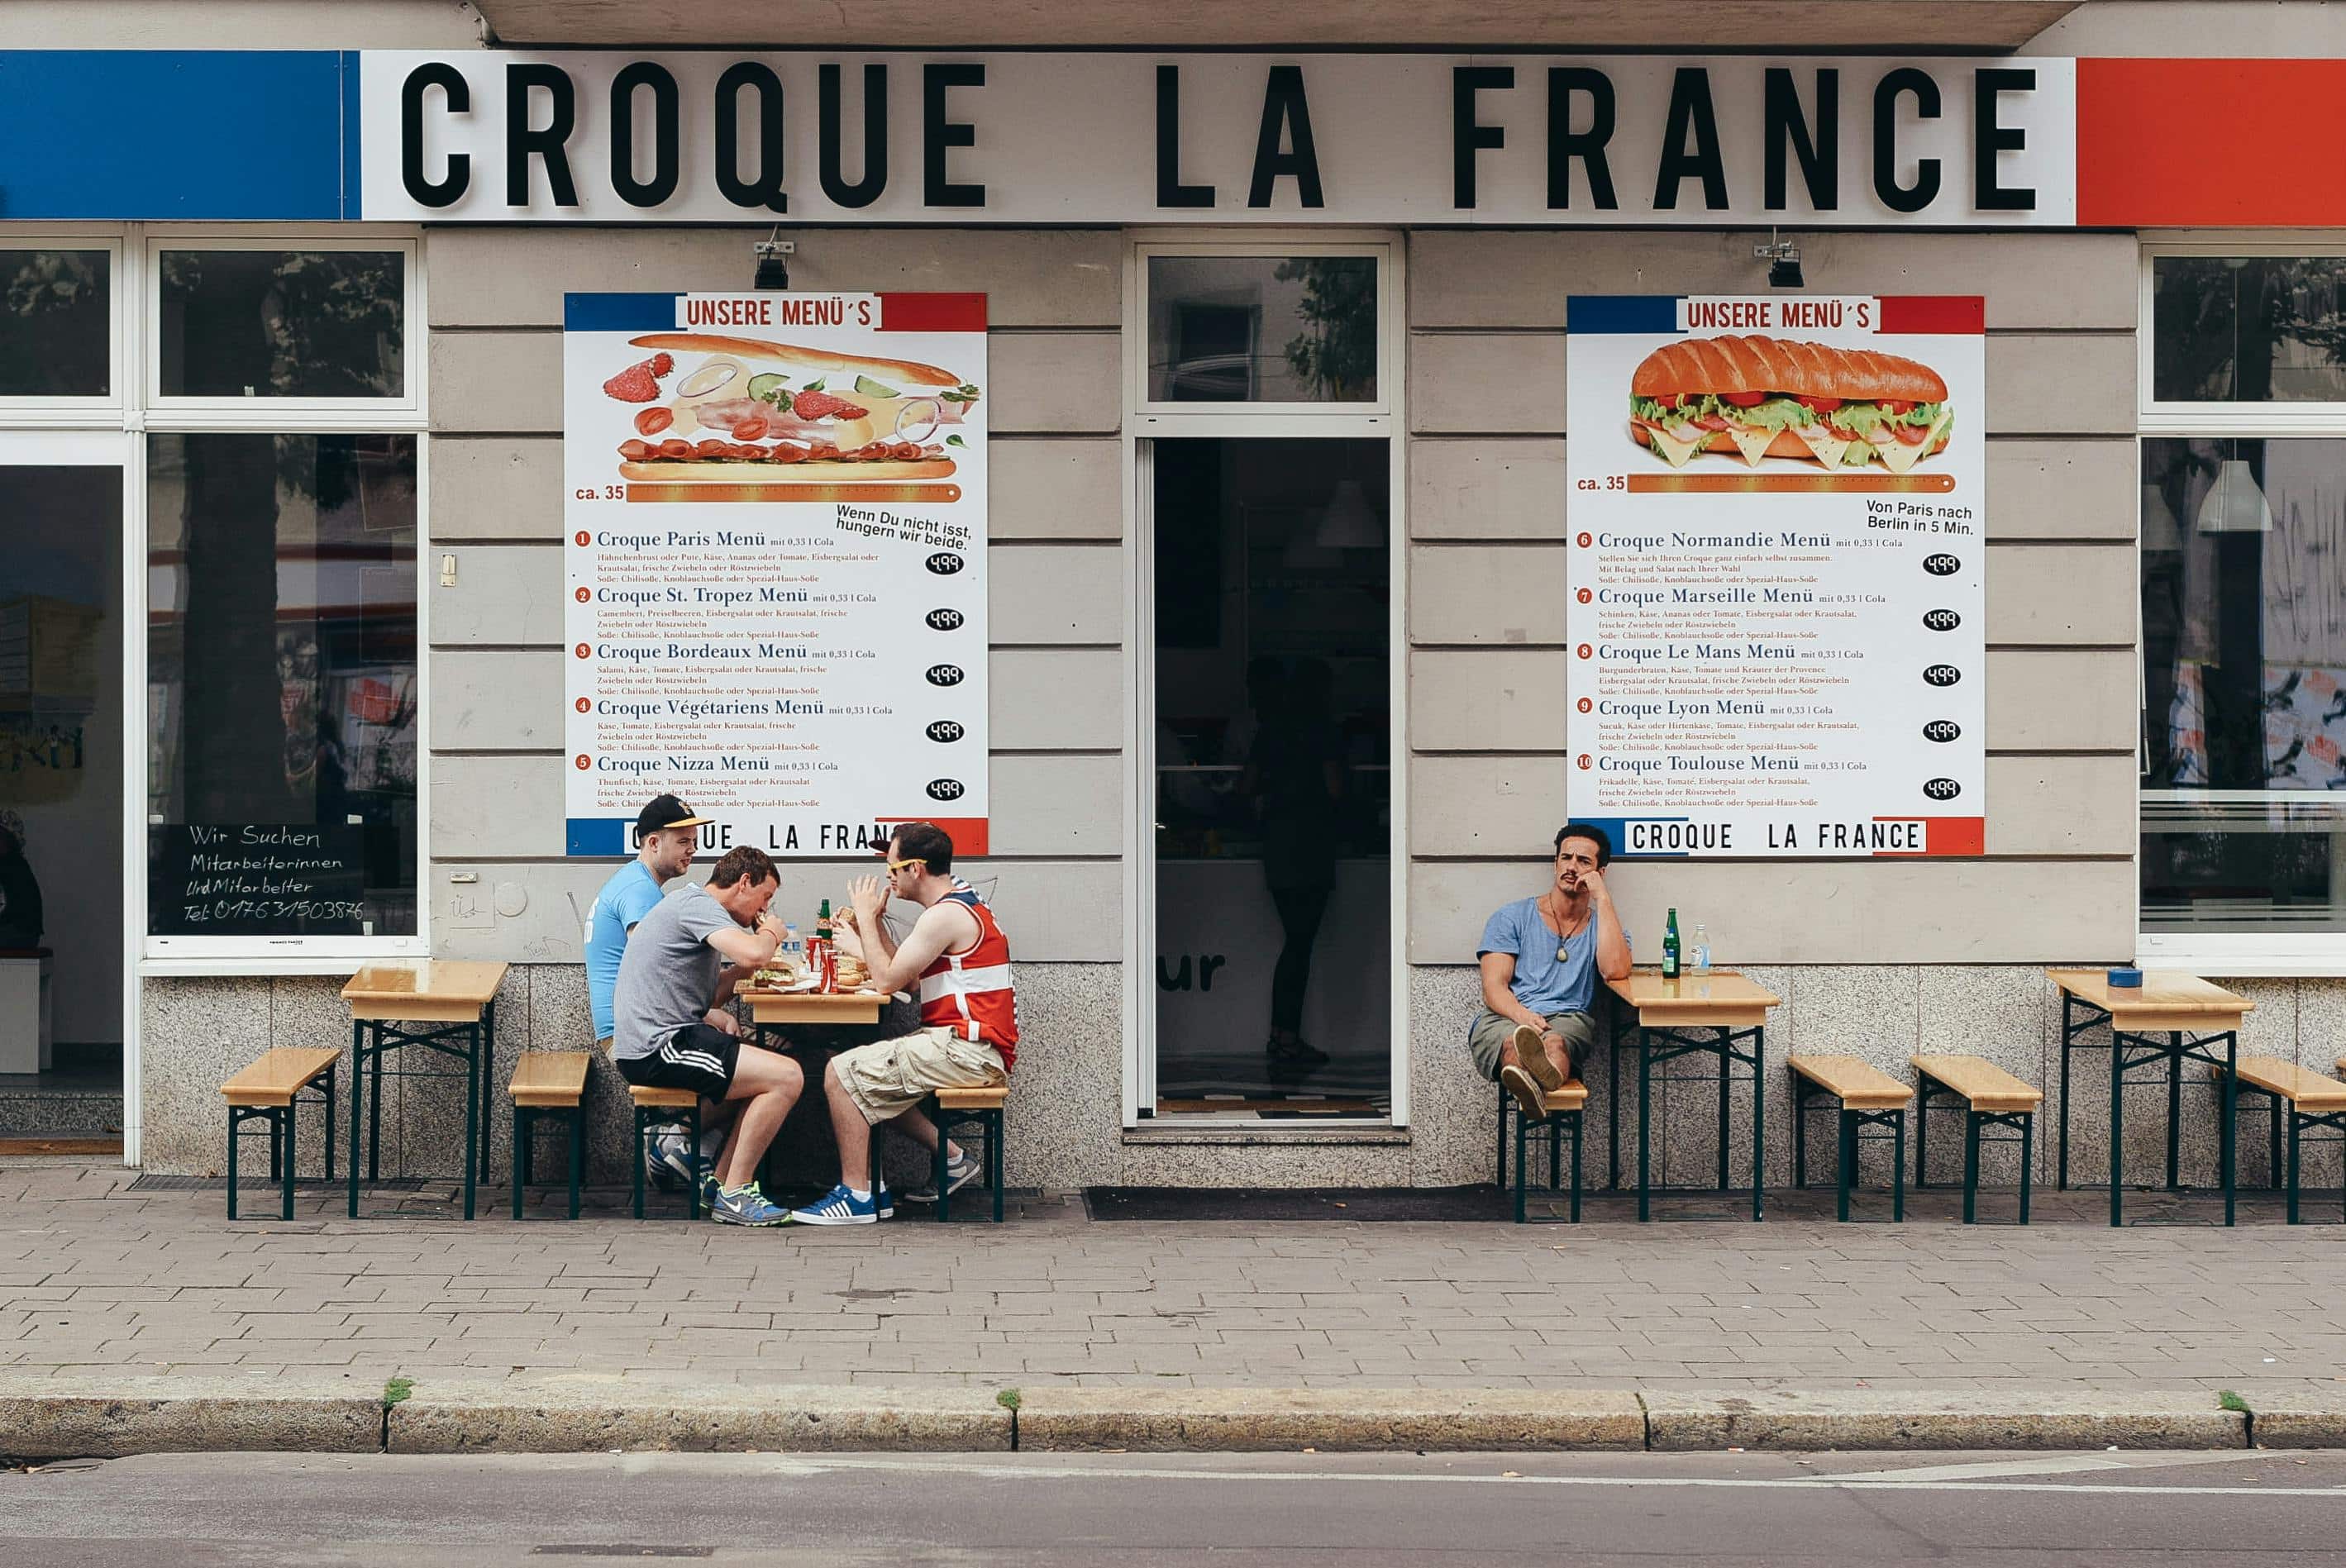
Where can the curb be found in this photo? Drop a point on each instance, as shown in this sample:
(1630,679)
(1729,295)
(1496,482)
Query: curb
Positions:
(59,1417)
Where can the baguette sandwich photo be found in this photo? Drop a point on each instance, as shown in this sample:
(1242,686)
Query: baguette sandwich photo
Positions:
(734,410)
(1769,397)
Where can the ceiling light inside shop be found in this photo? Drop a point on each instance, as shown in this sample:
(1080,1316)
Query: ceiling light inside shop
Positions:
(1348,522)
(2235,505)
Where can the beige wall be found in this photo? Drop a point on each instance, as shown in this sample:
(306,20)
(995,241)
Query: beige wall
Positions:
(1055,569)
(1489,732)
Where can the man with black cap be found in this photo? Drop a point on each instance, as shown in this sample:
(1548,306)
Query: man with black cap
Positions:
(667,834)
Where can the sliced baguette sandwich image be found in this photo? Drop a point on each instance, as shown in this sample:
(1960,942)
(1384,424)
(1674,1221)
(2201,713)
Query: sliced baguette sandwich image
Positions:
(1772,397)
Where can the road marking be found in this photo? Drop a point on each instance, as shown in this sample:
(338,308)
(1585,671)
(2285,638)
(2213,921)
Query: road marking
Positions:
(2063,1464)
(997,1470)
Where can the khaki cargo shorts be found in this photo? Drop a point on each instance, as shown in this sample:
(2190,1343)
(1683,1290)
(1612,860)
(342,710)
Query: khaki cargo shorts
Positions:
(889,1077)
(1490,1032)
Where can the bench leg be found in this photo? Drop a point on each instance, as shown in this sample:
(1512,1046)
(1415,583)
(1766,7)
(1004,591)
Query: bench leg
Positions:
(1575,1166)
(578,1152)
(234,1118)
(2118,1133)
(330,1124)
(1847,1158)
(2274,1168)
(1799,1132)
(1726,1072)
(994,1156)
(692,1141)
(276,1152)
(2027,1158)
(1897,1166)
(2174,1121)
(1522,1138)
(291,1101)
(1503,1098)
(520,1154)
(1971,1165)
(374,1120)
(2292,1161)
(636,1160)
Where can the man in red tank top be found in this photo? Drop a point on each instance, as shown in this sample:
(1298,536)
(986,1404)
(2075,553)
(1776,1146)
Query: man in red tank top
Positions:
(958,961)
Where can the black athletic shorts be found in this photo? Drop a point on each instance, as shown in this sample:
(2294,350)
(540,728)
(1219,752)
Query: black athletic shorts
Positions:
(698,1057)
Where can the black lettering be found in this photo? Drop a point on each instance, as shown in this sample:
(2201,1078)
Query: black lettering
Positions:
(1170,191)
(423,190)
(939,134)
(1820,154)
(865,191)
(1925,188)
(1989,138)
(1564,144)
(766,190)
(662,184)
(1466,136)
(1284,110)
(1690,112)
(524,142)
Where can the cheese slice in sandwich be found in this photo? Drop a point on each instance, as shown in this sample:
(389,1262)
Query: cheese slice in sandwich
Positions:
(1674,450)
(1898,457)
(1821,440)
(1752,444)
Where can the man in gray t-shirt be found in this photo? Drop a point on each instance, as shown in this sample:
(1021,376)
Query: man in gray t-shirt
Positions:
(668,983)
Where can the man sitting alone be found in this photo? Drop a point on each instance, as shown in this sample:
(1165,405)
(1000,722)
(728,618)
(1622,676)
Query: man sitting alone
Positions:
(1540,960)
(968,1037)
(668,979)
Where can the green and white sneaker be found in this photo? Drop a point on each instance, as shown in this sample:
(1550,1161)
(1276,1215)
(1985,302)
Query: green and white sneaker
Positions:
(747,1206)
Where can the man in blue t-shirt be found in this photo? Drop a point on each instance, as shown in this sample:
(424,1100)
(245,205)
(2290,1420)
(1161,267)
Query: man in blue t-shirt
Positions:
(1541,957)
(667,835)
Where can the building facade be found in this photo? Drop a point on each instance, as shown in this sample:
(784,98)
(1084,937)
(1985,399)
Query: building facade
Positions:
(1198,534)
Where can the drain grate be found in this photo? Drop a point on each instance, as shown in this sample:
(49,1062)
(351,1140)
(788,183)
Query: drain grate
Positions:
(219,1184)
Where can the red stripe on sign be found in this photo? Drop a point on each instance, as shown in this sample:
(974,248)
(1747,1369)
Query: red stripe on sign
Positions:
(2246,142)
(967,833)
(932,312)
(1942,836)
(1934,313)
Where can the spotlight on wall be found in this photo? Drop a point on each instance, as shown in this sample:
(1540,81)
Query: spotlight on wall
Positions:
(1783,259)
(771,273)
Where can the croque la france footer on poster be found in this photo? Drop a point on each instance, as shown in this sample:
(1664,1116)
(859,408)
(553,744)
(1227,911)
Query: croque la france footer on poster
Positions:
(775,589)
(1777,520)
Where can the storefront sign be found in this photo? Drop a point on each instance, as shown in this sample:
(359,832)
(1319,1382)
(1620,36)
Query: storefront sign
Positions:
(1776,527)
(249,878)
(776,566)
(1109,137)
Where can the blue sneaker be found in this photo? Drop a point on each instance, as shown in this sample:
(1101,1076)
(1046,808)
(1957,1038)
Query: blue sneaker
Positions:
(839,1206)
(709,1193)
(747,1206)
(670,1161)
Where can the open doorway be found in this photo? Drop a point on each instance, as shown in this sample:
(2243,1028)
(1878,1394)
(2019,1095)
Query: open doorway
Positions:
(1272,730)
(63,944)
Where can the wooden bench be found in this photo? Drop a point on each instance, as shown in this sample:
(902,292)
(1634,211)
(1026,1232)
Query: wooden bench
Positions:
(656,1108)
(264,1090)
(1561,1119)
(1869,1097)
(2312,1101)
(548,1083)
(980,1108)
(1990,1097)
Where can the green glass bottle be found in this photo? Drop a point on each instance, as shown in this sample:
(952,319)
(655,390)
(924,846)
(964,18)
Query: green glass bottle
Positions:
(1671,947)
(823,921)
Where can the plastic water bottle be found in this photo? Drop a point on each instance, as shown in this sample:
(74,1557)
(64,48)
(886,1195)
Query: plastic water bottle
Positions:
(793,951)
(1701,948)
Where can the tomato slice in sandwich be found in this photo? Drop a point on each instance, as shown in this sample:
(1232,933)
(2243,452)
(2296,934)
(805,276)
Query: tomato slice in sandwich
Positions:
(1743,399)
(1821,404)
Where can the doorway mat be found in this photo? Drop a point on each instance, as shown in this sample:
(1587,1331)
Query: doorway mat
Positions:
(61,1147)
(1246,1204)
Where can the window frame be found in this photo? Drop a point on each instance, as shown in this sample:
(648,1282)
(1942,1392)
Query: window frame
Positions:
(1238,418)
(241,413)
(2222,952)
(50,412)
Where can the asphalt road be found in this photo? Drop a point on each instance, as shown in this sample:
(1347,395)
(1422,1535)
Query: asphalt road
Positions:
(1352,1508)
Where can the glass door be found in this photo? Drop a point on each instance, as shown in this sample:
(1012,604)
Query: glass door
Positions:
(63,739)
(1271,722)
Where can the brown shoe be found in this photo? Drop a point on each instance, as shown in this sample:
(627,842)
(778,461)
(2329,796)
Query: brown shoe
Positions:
(1533,1056)
(1519,1084)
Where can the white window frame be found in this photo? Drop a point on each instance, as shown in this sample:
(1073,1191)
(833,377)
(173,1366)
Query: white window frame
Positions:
(2255,953)
(49,412)
(1144,423)
(223,413)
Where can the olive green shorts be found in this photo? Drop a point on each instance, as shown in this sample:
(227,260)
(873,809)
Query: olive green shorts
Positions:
(1491,1031)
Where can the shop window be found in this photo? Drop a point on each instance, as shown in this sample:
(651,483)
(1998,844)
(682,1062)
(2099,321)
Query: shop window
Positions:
(56,323)
(2243,577)
(1300,329)
(308,325)
(281,684)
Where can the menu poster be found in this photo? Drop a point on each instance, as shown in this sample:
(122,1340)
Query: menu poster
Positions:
(775,566)
(1774,607)
(257,878)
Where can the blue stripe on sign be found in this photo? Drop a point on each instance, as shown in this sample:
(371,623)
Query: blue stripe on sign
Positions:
(1617,829)
(162,134)
(618,312)
(353,179)
(596,836)
(1621,313)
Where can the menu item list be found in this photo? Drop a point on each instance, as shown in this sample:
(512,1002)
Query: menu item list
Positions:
(775,566)
(1776,528)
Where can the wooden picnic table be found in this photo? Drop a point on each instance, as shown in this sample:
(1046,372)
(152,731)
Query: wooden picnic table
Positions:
(1722,1015)
(461,998)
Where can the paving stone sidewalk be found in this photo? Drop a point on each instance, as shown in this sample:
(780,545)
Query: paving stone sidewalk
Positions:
(96,1278)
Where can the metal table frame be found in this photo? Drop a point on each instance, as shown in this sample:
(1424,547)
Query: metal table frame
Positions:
(371,1040)
(1657,1044)
(2131,1053)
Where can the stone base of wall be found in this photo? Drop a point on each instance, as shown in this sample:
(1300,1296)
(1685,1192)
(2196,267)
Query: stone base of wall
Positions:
(1064,1121)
